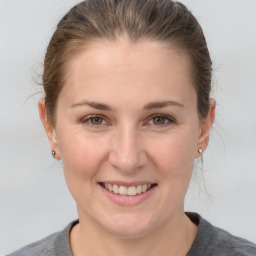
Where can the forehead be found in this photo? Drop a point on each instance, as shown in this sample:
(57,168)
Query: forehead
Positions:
(125,54)
(146,68)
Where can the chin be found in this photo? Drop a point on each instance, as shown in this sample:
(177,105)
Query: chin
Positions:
(127,226)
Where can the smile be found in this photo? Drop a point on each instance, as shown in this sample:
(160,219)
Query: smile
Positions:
(127,194)
(127,191)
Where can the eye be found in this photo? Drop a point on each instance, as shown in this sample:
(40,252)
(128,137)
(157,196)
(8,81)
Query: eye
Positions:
(160,120)
(94,120)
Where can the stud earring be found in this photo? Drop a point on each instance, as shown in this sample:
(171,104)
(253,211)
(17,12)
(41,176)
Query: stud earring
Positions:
(53,153)
(200,151)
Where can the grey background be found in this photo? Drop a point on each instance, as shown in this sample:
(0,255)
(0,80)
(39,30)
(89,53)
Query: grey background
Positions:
(34,200)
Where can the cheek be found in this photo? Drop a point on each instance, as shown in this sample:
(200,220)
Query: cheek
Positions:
(82,157)
(81,154)
(175,154)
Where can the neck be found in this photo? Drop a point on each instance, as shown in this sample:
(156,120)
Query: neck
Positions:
(172,238)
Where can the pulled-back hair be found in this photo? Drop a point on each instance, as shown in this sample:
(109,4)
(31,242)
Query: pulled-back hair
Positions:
(165,21)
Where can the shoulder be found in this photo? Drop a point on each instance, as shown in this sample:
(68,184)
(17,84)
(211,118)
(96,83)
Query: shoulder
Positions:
(234,245)
(213,241)
(54,245)
(43,247)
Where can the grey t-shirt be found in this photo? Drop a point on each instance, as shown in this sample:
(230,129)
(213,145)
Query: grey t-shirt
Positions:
(209,241)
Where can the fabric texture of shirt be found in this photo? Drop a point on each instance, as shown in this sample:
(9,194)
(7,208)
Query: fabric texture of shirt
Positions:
(209,241)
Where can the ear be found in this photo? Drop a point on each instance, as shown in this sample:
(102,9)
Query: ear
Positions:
(205,128)
(49,128)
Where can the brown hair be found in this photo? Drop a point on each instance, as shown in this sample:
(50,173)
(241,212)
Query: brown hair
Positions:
(165,21)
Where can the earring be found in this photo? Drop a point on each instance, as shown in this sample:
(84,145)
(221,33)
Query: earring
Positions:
(200,151)
(53,153)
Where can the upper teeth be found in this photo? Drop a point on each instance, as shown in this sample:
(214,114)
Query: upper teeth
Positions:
(127,191)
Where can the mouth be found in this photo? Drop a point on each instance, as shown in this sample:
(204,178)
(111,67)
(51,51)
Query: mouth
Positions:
(122,190)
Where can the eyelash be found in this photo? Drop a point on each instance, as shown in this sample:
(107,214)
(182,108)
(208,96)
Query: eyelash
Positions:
(167,118)
(88,120)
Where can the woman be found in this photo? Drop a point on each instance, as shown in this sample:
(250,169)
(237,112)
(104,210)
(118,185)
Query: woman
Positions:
(127,109)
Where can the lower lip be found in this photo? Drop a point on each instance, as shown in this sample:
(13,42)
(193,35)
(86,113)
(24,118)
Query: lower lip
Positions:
(128,200)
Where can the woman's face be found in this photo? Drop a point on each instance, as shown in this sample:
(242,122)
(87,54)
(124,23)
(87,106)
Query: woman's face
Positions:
(126,120)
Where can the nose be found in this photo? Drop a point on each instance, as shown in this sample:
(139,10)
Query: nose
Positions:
(127,153)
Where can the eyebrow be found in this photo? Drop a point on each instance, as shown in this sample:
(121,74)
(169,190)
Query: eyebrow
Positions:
(162,104)
(149,106)
(91,104)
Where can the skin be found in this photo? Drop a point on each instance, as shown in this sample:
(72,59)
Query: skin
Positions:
(128,145)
